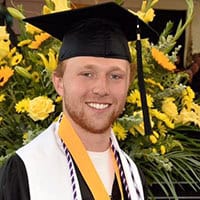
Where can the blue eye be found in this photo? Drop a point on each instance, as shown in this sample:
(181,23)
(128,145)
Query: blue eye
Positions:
(116,76)
(87,74)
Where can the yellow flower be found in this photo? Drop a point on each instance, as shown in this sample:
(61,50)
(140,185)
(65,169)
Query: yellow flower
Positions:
(22,106)
(149,15)
(12,52)
(190,92)
(38,40)
(46,10)
(24,42)
(140,128)
(132,131)
(35,77)
(162,149)
(56,6)
(186,102)
(134,98)
(119,131)
(25,136)
(162,129)
(58,99)
(196,108)
(156,134)
(50,64)
(61,5)
(2,97)
(187,98)
(152,82)
(5,74)
(4,42)
(1,119)
(3,63)
(153,139)
(154,150)
(162,59)
(146,17)
(186,117)
(16,59)
(32,29)
(163,117)
(146,13)
(169,107)
(40,107)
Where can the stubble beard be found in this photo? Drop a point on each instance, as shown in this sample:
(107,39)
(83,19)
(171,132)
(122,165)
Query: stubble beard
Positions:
(88,124)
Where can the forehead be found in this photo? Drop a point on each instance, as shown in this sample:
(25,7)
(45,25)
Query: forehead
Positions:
(96,62)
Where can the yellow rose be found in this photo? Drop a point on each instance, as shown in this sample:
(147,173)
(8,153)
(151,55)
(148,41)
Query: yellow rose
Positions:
(40,107)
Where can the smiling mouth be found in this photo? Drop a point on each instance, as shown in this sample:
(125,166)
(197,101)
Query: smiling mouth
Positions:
(98,106)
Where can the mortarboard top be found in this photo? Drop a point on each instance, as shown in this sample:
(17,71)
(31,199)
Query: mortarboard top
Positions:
(60,24)
(57,23)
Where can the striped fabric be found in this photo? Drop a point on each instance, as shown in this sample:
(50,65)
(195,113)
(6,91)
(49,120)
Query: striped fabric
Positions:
(121,171)
(71,170)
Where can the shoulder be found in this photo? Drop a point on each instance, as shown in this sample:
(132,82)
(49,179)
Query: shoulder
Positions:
(13,166)
(40,143)
(13,180)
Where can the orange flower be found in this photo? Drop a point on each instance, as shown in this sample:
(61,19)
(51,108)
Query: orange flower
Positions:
(162,59)
(38,40)
(5,74)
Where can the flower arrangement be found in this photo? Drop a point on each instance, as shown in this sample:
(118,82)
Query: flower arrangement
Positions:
(169,154)
(29,103)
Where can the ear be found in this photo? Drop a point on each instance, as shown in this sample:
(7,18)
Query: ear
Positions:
(58,83)
(133,72)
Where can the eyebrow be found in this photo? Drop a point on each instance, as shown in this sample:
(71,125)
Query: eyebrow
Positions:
(113,68)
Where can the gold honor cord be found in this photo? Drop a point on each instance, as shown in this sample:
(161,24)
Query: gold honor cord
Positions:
(81,158)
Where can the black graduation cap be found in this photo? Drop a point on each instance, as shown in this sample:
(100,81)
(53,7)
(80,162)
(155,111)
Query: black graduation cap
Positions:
(99,30)
(102,30)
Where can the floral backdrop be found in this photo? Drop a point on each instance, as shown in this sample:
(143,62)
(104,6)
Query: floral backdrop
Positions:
(29,103)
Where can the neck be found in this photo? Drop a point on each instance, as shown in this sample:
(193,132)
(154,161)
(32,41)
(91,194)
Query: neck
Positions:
(96,142)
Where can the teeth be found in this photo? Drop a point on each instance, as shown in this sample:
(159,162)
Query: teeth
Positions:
(98,105)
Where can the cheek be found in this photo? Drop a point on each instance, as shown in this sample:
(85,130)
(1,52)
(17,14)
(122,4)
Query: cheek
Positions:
(75,89)
(120,91)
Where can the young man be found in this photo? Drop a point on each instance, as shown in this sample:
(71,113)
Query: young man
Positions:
(78,157)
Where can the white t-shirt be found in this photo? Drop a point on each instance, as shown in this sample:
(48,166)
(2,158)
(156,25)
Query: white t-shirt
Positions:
(104,166)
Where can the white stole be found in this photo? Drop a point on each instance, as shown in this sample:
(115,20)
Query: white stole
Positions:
(47,170)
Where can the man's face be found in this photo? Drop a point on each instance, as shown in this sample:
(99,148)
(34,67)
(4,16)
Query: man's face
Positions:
(94,91)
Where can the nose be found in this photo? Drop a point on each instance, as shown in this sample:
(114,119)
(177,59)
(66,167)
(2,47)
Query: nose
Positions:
(101,87)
